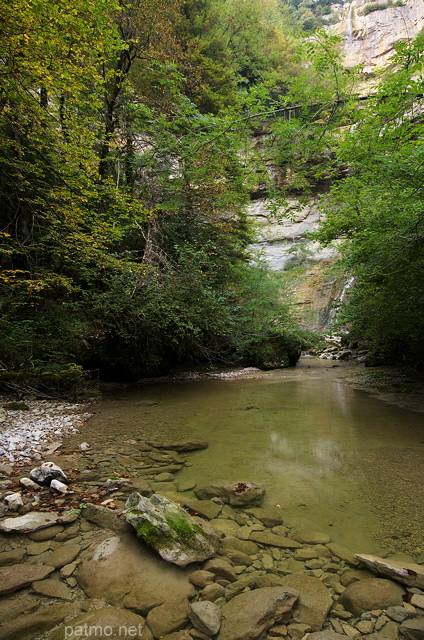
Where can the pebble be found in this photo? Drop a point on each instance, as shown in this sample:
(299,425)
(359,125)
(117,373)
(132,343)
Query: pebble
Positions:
(35,432)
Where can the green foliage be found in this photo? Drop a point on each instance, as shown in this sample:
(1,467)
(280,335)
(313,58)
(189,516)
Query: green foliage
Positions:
(377,208)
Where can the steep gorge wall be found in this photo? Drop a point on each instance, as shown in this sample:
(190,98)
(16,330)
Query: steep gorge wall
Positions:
(369,39)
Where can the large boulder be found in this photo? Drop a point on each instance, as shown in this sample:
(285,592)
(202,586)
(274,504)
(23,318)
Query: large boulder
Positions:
(315,600)
(168,529)
(405,572)
(234,493)
(249,614)
(127,574)
(105,623)
(374,593)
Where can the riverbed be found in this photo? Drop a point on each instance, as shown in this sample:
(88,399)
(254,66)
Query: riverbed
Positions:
(331,457)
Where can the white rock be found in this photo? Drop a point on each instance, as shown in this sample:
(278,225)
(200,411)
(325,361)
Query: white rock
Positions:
(84,446)
(29,484)
(14,501)
(47,472)
(58,486)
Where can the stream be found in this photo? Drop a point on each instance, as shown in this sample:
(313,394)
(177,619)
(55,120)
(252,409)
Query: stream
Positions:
(331,458)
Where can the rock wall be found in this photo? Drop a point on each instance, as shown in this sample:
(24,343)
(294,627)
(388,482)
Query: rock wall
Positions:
(369,39)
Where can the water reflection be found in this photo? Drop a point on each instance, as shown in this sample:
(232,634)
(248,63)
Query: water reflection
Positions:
(295,436)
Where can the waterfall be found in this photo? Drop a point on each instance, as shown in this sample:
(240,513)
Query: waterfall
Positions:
(334,311)
(349,27)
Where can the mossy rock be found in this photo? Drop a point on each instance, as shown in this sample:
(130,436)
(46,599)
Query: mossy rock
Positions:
(168,529)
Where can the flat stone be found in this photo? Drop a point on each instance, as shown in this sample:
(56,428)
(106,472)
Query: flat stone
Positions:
(234,493)
(370,594)
(185,445)
(36,548)
(221,568)
(269,580)
(399,614)
(245,546)
(19,576)
(53,589)
(68,569)
(63,555)
(239,558)
(68,533)
(105,624)
(168,617)
(326,635)
(164,477)
(315,600)
(201,578)
(268,517)
(212,592)
(266,537)
(226,526)
(413,629)
(298,630)
(35,520)
(105,518)
(353,576)
(205,616)
(19,604)
(33,625)
(249,614)
(11,557)
(405,572)
(365,626)
(343,553)
(46,534)
(205,508)
(246,580)
(186,485)
(417,600)
(127,574)
(305,536)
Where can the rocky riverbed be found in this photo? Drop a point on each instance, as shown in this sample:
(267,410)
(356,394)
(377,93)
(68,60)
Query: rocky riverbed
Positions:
(87,573)
(88,570)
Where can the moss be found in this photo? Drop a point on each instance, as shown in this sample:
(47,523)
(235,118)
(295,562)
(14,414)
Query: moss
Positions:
(183,529)
(149,533)
(16,406)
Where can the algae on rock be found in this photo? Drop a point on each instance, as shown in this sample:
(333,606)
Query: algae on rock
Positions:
(168,529)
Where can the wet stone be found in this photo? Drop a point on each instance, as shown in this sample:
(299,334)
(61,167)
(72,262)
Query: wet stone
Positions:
(14,556)
(53,589)
(33,625)
(36,548)
(64,555)
(305,536)
(268,538)
(19,576)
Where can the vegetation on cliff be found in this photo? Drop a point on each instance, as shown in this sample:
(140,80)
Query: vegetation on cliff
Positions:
(126,164)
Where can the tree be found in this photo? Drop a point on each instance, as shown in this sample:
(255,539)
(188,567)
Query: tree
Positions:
(378,211)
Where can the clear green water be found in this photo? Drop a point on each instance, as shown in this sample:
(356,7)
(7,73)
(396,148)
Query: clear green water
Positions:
(332,458)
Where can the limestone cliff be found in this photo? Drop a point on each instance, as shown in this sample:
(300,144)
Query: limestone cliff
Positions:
(369,38)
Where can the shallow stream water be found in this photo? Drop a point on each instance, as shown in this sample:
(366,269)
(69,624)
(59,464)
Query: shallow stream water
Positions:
(331,458)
